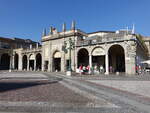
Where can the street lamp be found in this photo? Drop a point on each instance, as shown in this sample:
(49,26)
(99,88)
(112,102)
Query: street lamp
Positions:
(67,49)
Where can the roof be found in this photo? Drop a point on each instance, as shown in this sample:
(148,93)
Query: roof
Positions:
(101,32)
(146,38)
(6,39)
(16,40)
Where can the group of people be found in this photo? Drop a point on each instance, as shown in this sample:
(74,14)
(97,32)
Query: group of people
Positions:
(84,69)
(98,69)
(140,69)
(93,70)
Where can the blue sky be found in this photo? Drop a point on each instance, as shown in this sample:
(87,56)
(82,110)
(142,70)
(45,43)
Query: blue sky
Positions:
(27,18)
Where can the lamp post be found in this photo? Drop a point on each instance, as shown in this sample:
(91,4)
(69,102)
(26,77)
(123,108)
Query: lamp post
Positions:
(66,50)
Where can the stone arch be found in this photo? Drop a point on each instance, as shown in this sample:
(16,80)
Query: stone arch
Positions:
(83,48)
(121,45)
(101,50)
(16,61)
(5,61)
(24,62)
(31,61)
(38,61)
(83,57)
(116,54)
(56,61)
(98,56)
(31,57)
(57,54)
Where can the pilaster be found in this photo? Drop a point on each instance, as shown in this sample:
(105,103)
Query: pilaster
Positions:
(106,64)
(28,68)
(20,62)
(13,62)
(90,63)
(130,58)
(63,62)
(35,64)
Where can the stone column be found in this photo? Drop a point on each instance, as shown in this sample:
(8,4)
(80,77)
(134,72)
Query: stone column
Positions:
(63,62)
(13,62)
(42,65)
(43,57)
(130,58)
(106,64)
(90,63)
(0,59)
(28,68)
(20,62)
(50,58)
(76,61)
(72,60)
(10,65)
(130,64)
(35,65)
(49,66)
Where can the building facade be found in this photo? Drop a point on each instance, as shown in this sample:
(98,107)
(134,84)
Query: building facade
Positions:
(13,47)
(117,51)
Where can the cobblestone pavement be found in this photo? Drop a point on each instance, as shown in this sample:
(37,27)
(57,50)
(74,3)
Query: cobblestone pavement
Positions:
(138,87)
(124,99)
(35,92)
(122,77)
(32,92)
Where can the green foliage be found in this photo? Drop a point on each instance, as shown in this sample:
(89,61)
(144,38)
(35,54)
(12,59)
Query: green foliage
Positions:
(140,38)
(71,46)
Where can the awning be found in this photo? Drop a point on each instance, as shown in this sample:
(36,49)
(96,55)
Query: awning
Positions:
(146,62)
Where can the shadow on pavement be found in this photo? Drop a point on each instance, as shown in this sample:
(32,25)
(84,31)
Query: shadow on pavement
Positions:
(9,85)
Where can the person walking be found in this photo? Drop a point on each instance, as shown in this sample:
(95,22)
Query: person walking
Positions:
(80,69)
(101,69)
(88,69)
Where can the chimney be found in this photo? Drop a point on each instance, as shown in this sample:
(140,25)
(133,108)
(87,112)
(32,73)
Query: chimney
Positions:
(73,25)
(37,45)
(55,31)
(51,30)
(133,29)
(30,46)
(44,32)
(64,27)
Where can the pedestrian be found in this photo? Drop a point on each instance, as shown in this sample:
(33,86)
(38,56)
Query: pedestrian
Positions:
(137,69)
(88,69)
(84,69)
(110,69)
(96,70)
(140,70)
(101,69)
(80,69)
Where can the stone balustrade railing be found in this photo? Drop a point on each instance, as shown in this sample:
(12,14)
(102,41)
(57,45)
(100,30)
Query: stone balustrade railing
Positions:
(33,49)
(99,40)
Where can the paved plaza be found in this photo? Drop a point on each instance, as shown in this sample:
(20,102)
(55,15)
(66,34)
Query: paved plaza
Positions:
(138,87)
(32,92)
